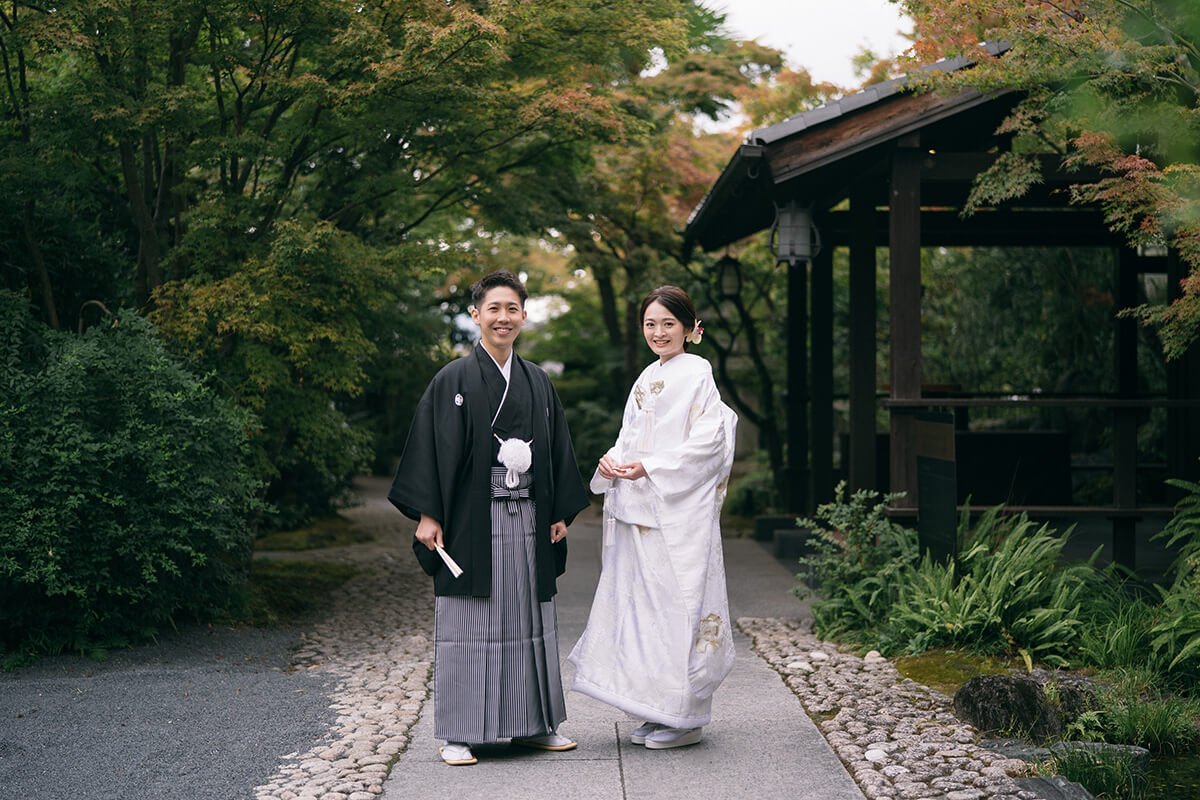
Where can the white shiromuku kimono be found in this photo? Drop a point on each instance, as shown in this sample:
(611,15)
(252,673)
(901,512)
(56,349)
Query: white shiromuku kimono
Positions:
(658,639)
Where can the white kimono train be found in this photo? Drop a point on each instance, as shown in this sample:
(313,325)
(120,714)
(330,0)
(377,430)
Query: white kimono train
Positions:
(658,639)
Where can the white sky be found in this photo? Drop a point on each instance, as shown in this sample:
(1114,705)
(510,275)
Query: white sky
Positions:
(820,35)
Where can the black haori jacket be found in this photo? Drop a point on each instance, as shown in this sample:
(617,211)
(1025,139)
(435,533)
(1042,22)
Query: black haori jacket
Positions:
(445,472)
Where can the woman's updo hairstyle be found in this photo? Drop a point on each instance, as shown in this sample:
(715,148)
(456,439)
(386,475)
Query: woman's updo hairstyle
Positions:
(676,301)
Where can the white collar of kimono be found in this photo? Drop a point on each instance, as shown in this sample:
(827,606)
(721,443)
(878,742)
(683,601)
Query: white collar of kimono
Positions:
(506,372)
(505,368)
(514,454)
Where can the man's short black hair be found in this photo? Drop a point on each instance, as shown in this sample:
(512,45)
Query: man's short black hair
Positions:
(500,277)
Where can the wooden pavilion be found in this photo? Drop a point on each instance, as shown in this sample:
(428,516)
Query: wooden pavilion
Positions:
(886,167)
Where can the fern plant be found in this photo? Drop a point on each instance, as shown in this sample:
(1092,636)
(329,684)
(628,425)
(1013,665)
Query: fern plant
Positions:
(1007,592)
(1177,633)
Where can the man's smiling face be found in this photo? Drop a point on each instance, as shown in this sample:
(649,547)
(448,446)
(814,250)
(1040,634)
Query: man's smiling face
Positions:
(499,317)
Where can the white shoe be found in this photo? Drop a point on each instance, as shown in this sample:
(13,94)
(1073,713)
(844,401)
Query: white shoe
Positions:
(666,738)
(457,754)
(547,741)
(640,733)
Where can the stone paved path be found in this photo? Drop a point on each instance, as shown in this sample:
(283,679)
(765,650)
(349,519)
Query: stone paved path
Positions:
(883,736)
(760,738)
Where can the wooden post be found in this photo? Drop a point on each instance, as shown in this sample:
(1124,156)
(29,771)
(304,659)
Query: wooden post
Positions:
(822,376)
(1125,420)
(862,341)
(797,387)
(904,241)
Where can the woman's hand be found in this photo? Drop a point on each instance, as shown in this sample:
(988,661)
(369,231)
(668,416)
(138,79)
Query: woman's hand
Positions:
(631,471)
(429,532)
(607,468)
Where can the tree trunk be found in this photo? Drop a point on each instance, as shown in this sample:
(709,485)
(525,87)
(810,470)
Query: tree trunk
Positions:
(633,337)
(35,253)
(608,304)
(149,271)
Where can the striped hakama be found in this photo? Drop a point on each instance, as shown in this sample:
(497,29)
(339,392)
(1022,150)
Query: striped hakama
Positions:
(496,668)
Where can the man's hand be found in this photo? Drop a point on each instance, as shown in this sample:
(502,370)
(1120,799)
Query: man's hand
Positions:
(558,531)
(429,532)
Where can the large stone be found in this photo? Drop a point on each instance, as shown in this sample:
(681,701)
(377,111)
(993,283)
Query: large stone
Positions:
(1139,755)
(1053,788)
(1015,748)
(1008,704)
(1071,694)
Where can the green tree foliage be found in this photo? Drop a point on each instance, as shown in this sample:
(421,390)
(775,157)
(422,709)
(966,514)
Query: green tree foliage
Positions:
(1111,88)
(642,193)
(214,120)
(198,157)
(287,333)
(1032,320)
(123,489)
(991,312)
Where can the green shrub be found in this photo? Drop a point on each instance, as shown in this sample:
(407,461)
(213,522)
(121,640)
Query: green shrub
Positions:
(124,495)
(1177,632)
(1134,709)
(1117,624)
(288,335)
(1006,592)
(858,560)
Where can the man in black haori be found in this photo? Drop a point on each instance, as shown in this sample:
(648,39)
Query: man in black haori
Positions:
(489,473)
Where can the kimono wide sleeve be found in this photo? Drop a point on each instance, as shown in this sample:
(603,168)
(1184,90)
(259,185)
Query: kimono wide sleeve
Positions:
(432,461)
(618,452)
(688,472)
(570,496)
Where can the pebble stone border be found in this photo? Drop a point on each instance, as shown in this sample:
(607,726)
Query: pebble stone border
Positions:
(377,646)
(898,738)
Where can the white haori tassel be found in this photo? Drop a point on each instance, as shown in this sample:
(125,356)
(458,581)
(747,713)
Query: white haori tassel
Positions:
(517,456)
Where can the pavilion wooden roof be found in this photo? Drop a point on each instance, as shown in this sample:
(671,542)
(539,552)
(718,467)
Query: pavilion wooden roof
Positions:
(815,157)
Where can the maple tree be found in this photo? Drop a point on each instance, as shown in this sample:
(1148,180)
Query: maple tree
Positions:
(275,182)
(1112,85)
(642,191)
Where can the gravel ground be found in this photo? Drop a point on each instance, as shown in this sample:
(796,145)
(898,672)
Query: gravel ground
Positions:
(226,714)
(205,714)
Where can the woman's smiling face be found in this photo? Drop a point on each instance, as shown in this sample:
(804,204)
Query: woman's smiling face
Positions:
(664,333)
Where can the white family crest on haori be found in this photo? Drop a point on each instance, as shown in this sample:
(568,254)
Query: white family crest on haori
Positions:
(658,640)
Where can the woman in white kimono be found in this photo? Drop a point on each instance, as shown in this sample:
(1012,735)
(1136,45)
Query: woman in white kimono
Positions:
(658,639)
